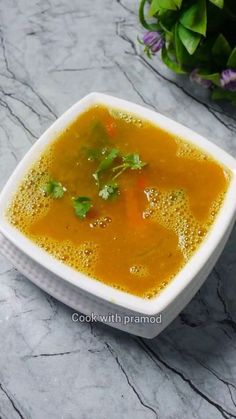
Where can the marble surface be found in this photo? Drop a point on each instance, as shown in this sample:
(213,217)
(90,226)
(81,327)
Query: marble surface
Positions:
(53,52)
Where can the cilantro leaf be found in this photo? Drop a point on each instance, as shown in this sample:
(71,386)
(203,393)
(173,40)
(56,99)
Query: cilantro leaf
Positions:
(130,161)
(110,190)
(106,163)
(53,189)
(82,205)
(133,161)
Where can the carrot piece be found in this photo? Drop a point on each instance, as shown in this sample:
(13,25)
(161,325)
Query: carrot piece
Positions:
(133,198)
(111,129)
(110,126)
(142,181)
(133,210)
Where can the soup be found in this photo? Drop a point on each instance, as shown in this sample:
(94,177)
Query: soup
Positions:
(121,200)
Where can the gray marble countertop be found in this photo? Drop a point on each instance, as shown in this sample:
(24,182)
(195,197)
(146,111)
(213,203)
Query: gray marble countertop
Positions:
(53,52)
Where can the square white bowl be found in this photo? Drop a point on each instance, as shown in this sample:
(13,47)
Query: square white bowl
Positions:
(133,314)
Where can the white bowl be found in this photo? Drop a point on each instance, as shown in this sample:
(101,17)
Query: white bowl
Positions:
(146,318)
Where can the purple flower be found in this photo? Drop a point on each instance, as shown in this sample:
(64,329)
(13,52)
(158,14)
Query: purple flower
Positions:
(149,38)
(228,80)
(194,76)
(153,42)
(157,46)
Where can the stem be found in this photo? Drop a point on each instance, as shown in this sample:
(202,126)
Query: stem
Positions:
(149,26)
(118,167)
(119,173)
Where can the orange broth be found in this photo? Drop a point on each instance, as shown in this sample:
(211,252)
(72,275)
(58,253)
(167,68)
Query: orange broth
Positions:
(138,240)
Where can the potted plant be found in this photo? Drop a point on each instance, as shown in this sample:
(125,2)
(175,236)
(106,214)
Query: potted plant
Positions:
(195,37)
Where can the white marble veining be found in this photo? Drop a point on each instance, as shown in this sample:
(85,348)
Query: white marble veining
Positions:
(53,52)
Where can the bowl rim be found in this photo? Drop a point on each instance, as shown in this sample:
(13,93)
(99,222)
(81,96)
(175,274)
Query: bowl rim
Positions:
(94,287)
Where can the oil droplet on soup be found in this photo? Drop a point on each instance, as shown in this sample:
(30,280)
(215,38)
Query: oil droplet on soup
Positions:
(137,235)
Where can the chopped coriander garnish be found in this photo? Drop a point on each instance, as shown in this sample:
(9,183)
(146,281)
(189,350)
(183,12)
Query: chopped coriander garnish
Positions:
(130,161)
(82,205)
(106,157)
(110,190)
(133,161)
(53,189)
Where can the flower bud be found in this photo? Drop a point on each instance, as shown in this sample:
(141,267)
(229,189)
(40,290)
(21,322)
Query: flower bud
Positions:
(228,80)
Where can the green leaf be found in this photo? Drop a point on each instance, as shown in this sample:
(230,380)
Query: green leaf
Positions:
(82,205)
(108,160)
(195,17)
(130,161)
(154,8)
(170,63)
(110,190)
(53,189)
(218,3)
(221,50)
(133,162)
(232,59)
(178,3)
(178,45)
(167,20)
(181,53)
(148,26)
(168,33)
(221,94)
(167,4)
(189,39)
(106,163)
